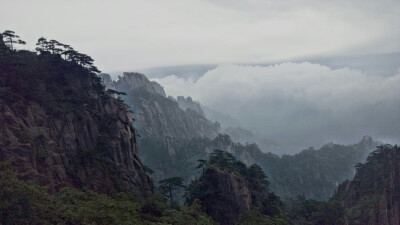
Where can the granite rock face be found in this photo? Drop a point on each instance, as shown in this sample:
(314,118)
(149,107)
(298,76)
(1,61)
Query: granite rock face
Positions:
(188,103)
(132,81)
(234,196)
(60,128)
(373,196)
(174,137)
(157,115)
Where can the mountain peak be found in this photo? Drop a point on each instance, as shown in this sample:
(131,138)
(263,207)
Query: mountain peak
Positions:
(130,81)
(367,141)
(188,103)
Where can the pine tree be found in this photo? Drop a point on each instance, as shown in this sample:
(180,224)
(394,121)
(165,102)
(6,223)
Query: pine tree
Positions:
(11,39)
(169,185)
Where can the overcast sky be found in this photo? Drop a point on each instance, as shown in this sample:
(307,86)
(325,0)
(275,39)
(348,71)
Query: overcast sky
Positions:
(127,35)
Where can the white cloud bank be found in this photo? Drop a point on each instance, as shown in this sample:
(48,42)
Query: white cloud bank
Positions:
(301,103)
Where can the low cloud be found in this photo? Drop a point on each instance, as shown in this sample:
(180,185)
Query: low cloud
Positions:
(302,104)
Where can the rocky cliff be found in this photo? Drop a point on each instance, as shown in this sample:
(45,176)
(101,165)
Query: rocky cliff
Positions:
(228,188)
(230,195)
(158,116)
(60,128)
(188,103)
(373,196)
(314,173)
(174,137)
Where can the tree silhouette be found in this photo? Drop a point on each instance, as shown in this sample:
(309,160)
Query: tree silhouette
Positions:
(202,164)
(67,48)
(56,48)
(257,178)
(169,185)
(43,45)
(11,39)
(2,44)
(222,158)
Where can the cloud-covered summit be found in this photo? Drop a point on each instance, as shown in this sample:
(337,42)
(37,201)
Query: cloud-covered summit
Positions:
(302,104)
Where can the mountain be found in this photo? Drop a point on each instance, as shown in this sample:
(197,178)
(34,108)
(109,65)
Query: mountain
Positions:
(373,196)
(68,150)
(175,135)
(243,136)
(60,128)
(69,155)
(227,188)
(188,103)
(315,173)
(312,173)
(158,116)
(223,119)
(233,128)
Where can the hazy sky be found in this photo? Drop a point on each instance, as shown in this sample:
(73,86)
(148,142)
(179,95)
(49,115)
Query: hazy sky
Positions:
(128,35)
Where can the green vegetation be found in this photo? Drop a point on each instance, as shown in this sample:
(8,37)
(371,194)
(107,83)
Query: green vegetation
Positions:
(24,202)
(263,201)
(167,186)
(45,77)
(374,193)
(255,217)
(300,211)
(52,47)
(314,173)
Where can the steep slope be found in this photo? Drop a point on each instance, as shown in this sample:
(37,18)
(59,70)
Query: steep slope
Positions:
(314,173)
(227,188)
(60,128)
(373,196)
(233,196)
(243,136)
(158,116)
(188,103)
(174,135)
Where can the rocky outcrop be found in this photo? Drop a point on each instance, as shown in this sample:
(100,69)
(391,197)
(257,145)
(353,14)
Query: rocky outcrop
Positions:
(107,81)
(173,139)
(160,117)
(228,195)
(188,103)
(157,115)
(132,81)
(59,128)
(373,196)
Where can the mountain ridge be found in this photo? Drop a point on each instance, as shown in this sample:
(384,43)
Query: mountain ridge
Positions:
(59,126)
(177,154)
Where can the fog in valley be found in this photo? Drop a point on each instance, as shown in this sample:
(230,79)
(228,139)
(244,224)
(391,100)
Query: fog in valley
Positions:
(299,104)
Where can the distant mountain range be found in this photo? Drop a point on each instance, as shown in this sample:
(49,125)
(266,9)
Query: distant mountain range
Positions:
(175,133)
(69,154)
